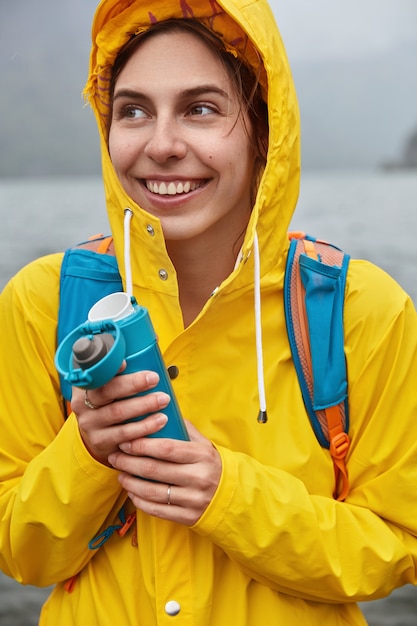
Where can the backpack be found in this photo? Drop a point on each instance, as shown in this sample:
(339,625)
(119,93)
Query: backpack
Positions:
(88,272)
(314,289)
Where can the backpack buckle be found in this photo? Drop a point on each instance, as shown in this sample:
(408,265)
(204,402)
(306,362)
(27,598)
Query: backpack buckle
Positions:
(339,445)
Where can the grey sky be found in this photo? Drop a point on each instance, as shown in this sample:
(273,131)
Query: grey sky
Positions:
(354,64)
(332,28)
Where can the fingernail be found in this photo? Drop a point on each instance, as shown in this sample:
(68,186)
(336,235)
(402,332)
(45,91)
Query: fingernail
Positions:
(163,399)
(125,447)
(152,378)
(161,419)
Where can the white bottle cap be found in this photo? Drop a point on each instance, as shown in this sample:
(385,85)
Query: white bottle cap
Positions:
(115,306)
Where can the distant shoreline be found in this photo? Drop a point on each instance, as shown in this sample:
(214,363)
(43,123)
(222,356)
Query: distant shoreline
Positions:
(395,166)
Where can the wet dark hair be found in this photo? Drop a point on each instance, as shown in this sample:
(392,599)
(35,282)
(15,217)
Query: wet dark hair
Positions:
(245,80)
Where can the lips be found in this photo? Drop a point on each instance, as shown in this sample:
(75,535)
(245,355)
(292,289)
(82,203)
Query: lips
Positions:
(171,188)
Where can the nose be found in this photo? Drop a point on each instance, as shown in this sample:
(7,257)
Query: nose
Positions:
(166,140)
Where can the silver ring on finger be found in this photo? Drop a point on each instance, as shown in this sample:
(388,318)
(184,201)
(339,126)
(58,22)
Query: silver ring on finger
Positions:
(169,494)
(88,402)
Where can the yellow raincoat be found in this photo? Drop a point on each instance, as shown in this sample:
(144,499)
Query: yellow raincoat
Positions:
(273,547)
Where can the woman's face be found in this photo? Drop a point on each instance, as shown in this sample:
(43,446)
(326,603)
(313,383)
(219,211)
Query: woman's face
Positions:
(178,142)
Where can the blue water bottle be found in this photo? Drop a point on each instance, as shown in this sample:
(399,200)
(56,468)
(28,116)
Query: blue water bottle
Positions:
(118,329)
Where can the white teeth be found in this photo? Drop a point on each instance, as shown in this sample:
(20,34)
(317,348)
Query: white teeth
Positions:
(172,189)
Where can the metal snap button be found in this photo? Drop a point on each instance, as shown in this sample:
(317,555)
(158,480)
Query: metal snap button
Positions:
(163,274)
(173,371)
(172,608)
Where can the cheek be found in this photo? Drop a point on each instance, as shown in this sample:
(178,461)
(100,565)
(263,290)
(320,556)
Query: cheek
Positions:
(242,160)
(119,150)
(242,151)
(119,138)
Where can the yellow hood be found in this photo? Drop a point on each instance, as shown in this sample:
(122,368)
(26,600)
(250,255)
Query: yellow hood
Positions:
(243,25)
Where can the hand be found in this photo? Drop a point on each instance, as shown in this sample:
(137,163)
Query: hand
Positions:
(104,428)
(182,476)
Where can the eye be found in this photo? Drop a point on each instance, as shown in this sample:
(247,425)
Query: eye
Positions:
(132,112)
(129,112)
(202,109)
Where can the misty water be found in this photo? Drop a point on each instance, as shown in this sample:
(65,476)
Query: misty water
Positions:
(369,214)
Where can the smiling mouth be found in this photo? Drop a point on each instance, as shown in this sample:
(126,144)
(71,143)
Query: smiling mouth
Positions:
(171,188)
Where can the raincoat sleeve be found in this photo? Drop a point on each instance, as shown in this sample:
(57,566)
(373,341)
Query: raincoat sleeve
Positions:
(307,544)
(54,497)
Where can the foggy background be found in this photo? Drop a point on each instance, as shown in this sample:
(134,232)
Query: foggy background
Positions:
(354,65)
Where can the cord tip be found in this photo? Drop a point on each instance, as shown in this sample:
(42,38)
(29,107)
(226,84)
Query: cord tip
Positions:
(262,417)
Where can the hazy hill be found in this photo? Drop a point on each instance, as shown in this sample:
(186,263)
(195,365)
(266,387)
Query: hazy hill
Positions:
(355,113)
(358,113)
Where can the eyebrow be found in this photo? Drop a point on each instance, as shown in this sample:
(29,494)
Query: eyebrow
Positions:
(186,93)
(202,89)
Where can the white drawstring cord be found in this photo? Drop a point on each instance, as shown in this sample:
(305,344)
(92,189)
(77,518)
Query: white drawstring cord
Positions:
(128,268)
(262,417)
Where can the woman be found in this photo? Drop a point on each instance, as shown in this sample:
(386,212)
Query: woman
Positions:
(237,525)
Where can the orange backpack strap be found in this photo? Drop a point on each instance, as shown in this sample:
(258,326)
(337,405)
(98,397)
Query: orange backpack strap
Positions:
(98,243)
(314,297)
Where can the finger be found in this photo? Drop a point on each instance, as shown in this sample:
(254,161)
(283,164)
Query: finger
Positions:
(165,449)
(102,441)
(174,513)
(128,385)
(136,407)
(163,500)
(118,387)
(169,461)
(119,411)
(153,491)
